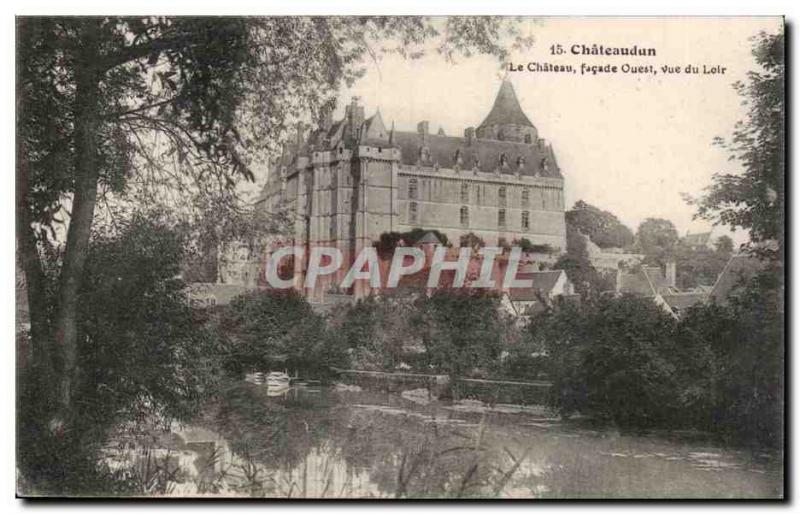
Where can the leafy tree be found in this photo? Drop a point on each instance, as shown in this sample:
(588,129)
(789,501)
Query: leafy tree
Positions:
(144,353)
(273,329)
(162,108)
(388,241)
(724,245)
(612,359)
(697,266)
(471,240)
(656,239)
(603,228)
(586,279)
(736,363)
(754,199)
(378,331)
(461,329)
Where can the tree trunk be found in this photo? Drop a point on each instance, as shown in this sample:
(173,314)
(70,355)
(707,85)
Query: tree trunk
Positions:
(28,252)
(31,265)
(83,204)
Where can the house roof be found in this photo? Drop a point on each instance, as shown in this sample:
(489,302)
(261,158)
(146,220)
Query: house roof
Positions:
(738,270)
(646,281)
(543,283)
(222,293)
(429,238)
(506,108)
(682,301)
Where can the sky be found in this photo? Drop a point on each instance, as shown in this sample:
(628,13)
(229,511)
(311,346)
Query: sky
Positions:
(627,143)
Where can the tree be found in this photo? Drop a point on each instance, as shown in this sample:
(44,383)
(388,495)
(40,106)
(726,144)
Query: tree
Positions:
(272,329)
(603,228)
(656,239)
(724,245)
(587,280)
(612,359)
(461,329)
(471,240)
(182,105)
(144,354)
(735,363)
(754,200)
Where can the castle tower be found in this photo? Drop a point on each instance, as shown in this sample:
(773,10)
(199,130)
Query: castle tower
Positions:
(506,121)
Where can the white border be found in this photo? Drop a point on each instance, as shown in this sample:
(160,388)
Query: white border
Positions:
(553,8)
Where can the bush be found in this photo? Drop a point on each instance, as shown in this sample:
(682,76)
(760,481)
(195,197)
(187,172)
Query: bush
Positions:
(462,330)
(737,364)
(142,354)
(275,329)
(612,359)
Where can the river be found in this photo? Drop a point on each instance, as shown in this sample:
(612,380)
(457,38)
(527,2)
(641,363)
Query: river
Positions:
(342,442)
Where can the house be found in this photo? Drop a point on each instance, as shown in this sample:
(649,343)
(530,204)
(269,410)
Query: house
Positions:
(611,259)
(203,294)
(547,285)
(658,284)
(699,241)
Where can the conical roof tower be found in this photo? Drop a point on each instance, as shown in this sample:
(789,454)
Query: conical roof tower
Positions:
(506,121)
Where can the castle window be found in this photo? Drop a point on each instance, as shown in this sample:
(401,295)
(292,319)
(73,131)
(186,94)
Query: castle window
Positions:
(464,216)
(526,219)
(464,193)
(412,212)
(501,218)
(525,197)
(412,189)
(501,195)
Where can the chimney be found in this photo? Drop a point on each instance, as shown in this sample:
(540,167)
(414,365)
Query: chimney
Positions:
(326,122)
(422,130)
(670,272)
(299,134)
(469,135)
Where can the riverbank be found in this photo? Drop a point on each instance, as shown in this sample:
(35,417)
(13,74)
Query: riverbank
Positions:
(349,443)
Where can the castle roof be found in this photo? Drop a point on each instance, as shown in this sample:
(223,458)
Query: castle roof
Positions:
(483,154)
(506,109)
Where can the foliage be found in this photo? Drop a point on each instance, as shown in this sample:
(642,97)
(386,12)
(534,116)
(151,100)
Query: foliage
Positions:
(273,329)
(737,361)
(461,330)
(388,241)
(656,239)
(143,351)
(378,332)
(699,266)
(719,369)
(586,279)
(724,245)
(603,228)
(754,199)
(612,359)
(527,246)
(471,240)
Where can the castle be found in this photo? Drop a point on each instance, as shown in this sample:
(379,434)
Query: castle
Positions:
(347,182)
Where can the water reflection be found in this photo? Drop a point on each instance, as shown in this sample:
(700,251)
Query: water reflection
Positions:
(256,440)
